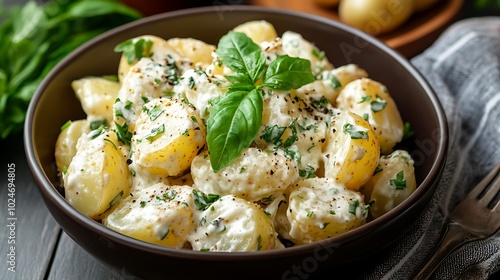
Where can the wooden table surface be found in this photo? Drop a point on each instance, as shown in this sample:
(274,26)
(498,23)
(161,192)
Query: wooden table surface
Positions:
(31,242)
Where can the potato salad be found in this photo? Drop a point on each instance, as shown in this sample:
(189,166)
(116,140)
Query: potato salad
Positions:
(257,143)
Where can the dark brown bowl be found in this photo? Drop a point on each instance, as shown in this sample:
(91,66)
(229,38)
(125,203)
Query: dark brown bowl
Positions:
(54,103)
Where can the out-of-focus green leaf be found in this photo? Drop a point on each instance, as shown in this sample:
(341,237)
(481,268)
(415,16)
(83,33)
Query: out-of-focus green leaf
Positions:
(35,37)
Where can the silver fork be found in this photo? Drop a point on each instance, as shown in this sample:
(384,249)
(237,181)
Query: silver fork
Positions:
(475,217)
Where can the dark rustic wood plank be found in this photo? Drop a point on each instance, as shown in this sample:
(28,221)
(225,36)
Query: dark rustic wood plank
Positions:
(72,262)
(34,231)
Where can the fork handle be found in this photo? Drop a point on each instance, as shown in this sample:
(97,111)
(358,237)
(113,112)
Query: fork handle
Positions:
(454,237)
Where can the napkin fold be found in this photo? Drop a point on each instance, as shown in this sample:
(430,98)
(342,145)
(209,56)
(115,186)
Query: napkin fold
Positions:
(463,68)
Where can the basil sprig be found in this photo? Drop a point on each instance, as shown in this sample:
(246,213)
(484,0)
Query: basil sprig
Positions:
(236,117)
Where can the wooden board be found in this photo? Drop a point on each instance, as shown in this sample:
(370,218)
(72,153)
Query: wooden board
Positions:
(410,39)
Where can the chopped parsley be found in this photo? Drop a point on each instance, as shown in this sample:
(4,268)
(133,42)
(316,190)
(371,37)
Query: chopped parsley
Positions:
(134,50)
(123,134)
(202,201)
(365,98)
(399,182)
(66,125)
(155,112)
(155,132)
(355,134)
(378,104)
(353,205)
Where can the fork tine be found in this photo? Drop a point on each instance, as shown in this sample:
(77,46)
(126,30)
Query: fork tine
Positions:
(485,183)
(496,186)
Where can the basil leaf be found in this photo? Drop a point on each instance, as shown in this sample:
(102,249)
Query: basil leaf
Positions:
(286,73)
(240,54)
(233,124)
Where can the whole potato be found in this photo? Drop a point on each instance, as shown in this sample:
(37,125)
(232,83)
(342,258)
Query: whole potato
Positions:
(375,16)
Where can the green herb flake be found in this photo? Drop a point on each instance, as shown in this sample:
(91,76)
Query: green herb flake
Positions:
(191,83)
(377,169)
(320,55)
(165,233)
(272,134)
(259,243)
(111,142)
(378,105)
(116,199)
(134,49)
(155,132)
(365,98)
(399,182)
(407,131)
(353,205)
(202,201)
(66,125)
(155,112)
(123,134)
(355,134)
(324,225)
(97,124)
(309,214)
(143,204)
(308,172)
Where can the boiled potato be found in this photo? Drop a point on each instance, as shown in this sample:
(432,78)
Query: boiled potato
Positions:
(66,142)
(195,50)
(392,184)
(321,208)
(331,82)
(153,47)
(97,95)
(200,90)
(287,124)
(258,30)
(232,224)
(255,175)
(295,45)
(371,100)
(375,16)
(352,151)
(167,137)
(159,214)
(98,176)
(146,80)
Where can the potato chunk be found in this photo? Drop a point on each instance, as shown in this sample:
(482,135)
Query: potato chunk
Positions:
(371,100)
(320,208)
(352,150)
(153,47)
(258,30)
(168,136)
(66,142)
(392,184)
(295,45)
(98,176)
(159,214)
(97,95)
(195,50)
(232,224)
(255,175)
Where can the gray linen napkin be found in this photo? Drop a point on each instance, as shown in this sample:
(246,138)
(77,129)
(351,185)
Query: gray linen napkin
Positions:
(463,67)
